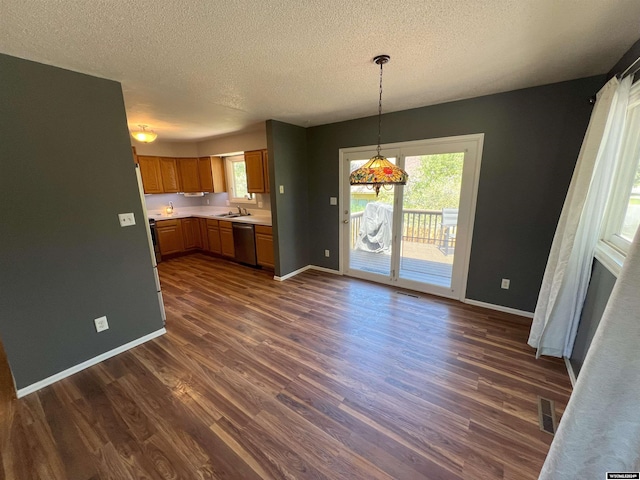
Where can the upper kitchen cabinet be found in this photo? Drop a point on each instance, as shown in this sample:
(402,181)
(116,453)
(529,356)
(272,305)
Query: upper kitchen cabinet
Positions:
(169,174)
(265,166)
(150,172)
(211,170)
(256,163)
(189,174)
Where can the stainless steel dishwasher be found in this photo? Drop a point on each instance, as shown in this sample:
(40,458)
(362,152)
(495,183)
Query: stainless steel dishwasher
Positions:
(244,243)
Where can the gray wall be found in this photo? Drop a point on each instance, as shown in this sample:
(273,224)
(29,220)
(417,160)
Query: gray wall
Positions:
(63,137)
(600,286)
(532,140)
(287,146)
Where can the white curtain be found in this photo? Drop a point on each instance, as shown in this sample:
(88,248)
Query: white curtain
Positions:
(600,429)
(568,271)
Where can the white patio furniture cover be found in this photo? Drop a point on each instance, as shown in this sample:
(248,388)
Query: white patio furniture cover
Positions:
(375,228)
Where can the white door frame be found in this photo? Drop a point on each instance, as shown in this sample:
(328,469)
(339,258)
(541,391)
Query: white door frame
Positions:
(473,145)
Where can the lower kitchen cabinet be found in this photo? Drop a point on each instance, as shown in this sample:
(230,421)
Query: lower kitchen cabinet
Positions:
(264,246)
(170,236)
(191,233)
(226,239)
(213,236)
(204,235)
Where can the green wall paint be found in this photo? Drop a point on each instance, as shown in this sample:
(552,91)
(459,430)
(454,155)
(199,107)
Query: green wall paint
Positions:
(67,172)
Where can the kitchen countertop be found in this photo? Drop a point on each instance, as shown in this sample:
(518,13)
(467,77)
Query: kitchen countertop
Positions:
(257,217)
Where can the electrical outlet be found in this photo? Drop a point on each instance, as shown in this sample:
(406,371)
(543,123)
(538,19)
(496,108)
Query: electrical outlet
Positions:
(505,283)
(281,188)
(227,202)
(101,324)
(327,253)
(259,204)
(207,201)
(126,219)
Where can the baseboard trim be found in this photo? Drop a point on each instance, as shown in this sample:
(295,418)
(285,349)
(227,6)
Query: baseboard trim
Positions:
(325,270)
(292,274)
(572,374)
(304,269)
(89,363)
(498,308)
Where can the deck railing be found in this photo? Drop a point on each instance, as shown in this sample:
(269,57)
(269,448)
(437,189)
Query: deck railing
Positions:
(419,226)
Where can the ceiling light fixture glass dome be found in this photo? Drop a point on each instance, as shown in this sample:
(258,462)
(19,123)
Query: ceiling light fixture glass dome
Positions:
(143,135)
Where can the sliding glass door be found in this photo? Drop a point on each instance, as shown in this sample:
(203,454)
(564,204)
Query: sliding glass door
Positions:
(415,236)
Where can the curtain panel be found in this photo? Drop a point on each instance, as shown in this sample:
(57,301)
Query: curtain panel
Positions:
(568,271)
(600,429)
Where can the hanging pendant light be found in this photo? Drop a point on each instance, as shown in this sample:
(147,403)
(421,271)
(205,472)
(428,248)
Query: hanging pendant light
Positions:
(379,171)
(143,135)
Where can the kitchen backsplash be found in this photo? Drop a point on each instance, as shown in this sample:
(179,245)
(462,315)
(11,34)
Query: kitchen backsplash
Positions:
(160,201)
(155,202)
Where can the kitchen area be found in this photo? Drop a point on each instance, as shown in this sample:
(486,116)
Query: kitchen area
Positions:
(217,205)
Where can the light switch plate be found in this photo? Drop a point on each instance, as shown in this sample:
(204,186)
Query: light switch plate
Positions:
(126,219)
(333,200)
(101,324)
(506,283)
(281,188)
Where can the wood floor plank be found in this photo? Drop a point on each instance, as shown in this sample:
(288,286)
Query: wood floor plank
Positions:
(303,379)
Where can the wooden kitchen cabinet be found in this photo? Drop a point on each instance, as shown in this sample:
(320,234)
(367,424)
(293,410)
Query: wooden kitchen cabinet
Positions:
(256,163)
(213,236)
(191,233)
(204,236)
(189,174)
(226,239)
(211,170)
(170,236)
(265,166)
(264,246)
(169,174)
(151,175)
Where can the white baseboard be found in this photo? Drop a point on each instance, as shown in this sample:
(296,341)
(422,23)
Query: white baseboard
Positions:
(572,374)
(325,270)
(92,361)
(292,274)
(304,269)
(499,308)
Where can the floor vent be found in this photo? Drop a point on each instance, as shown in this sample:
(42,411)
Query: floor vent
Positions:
(547,415)
(406,294)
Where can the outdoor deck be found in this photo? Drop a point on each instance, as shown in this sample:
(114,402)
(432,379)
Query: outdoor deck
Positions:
(420,262)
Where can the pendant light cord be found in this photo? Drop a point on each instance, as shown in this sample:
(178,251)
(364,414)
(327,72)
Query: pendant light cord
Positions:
(380,109)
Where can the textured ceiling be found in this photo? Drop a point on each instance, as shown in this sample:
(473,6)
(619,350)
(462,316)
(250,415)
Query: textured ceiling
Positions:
(193,69)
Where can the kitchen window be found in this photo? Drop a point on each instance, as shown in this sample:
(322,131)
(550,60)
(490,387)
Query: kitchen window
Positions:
(622,216)
(237,180)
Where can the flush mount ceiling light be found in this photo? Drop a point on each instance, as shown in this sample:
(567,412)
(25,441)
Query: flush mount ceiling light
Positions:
(143,135)
(379,171)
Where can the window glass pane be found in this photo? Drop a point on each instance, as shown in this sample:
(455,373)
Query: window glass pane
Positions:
(240,179)
(632,215)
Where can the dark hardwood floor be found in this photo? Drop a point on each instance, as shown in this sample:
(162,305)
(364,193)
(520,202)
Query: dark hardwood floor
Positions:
(318,377)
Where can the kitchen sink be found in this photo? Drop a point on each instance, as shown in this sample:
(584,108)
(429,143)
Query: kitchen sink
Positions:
(232,215)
